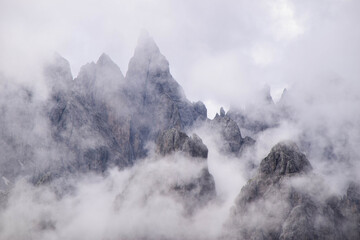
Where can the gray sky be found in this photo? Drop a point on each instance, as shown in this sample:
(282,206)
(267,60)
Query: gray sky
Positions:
(219,51)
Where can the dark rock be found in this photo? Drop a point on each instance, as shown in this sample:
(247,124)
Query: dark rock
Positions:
(121,114)
(3,199)
(97,159)
(269,207)
(230,131)
(154,92)
(201,110)
(285,158)
(266,189)
(173,140)
(195,147)
(222,112)
(199,190)
(117,113)
(349,207)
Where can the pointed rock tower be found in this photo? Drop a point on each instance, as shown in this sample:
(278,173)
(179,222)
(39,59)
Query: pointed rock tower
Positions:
(156,95)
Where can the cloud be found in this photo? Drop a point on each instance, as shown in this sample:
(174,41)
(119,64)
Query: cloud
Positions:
(263,41)
(133,203)
(221,53)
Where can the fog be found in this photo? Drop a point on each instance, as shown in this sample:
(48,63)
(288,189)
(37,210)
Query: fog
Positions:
(134,203)
(222,53)
(244,44)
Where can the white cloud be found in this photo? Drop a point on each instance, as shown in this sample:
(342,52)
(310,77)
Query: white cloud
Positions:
(286,25)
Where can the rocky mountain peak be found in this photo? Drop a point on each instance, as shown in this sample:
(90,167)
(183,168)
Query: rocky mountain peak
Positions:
(148,64)
(173,140)
(158,97)
(104,59)
(266,95)
(222,112)
(284,158)
(230,131)
(288,211)
(57,72)
(105,62)
(101,78)
(107,70)
(146,46)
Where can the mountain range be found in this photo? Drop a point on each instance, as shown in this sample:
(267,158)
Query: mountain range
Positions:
(102,120)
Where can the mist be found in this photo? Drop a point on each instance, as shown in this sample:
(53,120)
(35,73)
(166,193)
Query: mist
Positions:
(82,112)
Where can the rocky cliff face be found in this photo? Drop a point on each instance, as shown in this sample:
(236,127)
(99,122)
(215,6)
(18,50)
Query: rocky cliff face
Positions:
(201,189)
(173,140)
(271,206)
(98,120)
(233,142)
(117,116)
(155,94)
(102,120)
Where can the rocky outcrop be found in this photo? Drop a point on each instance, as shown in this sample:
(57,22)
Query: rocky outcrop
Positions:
(270,207)
(349,208)
(200,189)
(284,159)
(173,140)
(84,122)
(115,113)
(230,131)
(157,96)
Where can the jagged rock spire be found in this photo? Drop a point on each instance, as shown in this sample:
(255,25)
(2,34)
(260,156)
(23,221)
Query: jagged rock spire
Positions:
(149,64)
(57,73)
(146,45)
(222,112)
(284,158)
(153,90)
(101,78)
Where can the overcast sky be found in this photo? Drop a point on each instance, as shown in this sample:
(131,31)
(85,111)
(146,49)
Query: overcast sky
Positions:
(219,51)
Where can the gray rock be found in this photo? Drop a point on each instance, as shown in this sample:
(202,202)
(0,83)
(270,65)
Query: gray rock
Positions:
(101,119)
(199,190)
(117,113)
(195,147)
(269,207)
(285,158)
(58,75)
(230,131)
(222,112)
(349,207)
(173,140)
(155,93)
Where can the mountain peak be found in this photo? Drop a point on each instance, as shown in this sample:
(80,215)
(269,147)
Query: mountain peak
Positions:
(146,45)
(104,59)
(222,112)
(284,96)
(266,94)
(106,66)
(285,158)
(58,73)
(148,62)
